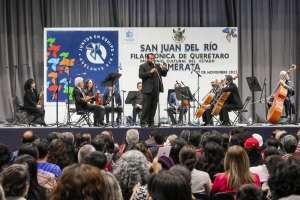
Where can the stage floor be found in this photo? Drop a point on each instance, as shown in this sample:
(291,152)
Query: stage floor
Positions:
(11,136)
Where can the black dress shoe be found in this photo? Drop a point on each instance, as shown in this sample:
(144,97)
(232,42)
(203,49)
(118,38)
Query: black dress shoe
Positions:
(204,124)
(226,124)
(143,125)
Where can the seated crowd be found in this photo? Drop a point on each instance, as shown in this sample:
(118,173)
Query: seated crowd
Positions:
(201,165)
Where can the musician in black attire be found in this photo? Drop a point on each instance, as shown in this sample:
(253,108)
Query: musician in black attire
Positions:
(289,102)
(151,86)
(207,116)
(31,99)
(78,95)
(107,97)
(232,102)
(137,108)
(88,88)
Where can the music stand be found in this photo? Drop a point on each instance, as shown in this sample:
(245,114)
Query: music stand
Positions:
(109,81)
(134,97)
(254,87)
(183,93)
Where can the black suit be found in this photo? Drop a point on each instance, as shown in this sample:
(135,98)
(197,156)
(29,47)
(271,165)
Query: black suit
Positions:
(31,99)
(96,109)
(150,85)
(136,110)
(232,102)
(117,102)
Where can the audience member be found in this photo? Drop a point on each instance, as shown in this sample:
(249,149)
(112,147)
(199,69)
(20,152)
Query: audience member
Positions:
(43,149)
(201,181)
(52,136)
(84,151)
(58,154)
(259,139)
(271,163)
(99,144)
(159,140)
(283,180)
(98,159)
(214,155)
(30,149)
(236,165)
(35,190)
(131,169)
(87,137)
(69,141)
(176,146)
(167,185)
(253,151)
(4,157)
(185,134)
(80,181)
(194,140)
(289,144)
(109,148)
(170,139)
(249,191)
(272,142)
(225,141)
(15,182)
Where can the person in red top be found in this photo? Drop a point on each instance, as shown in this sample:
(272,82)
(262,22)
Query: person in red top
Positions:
(236,173)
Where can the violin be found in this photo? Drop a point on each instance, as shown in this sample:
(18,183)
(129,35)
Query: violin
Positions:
(88,98)
(223,97)
(207,100)
(98,97)
(277,105)
(40,102)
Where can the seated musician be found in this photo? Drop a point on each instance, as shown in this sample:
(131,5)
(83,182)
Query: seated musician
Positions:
(137,108)
(88,88)
(232,102)
(289,101)
(31,99)
(207,116)
(174,105)
(107,97)
(78,95)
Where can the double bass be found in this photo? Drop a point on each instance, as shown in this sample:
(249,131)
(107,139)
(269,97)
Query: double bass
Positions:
(223,97)
(206,101)
(277,105)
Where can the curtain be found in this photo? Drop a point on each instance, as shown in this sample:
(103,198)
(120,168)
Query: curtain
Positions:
(268,39)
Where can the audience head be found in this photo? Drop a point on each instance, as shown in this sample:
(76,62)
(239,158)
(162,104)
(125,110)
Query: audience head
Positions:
(269,151)
(130,169)
(109,133)
(272,142)
(58,153)
(215,136)
(170,139)
(283,180)
(249,191)
(176,146)
(99,144)
(159,137)
(84,151)
(272,162)
(78,139)
(4,156)
(132,136)
(108,141)
(87,137)
(236,165)
(30,149)
(195,138)
(225,140)
(43,148)
(80,181)
(112,186)
(289,143)
(53,135)
(68,137)
(188,156)
(279,134)
(96,159)
(185,134)
(258,138)
(183,170)
(250,143)
(167,185)
(28,137)
(15,181)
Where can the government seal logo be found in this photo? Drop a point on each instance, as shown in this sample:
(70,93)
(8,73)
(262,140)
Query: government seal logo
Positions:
(178,36)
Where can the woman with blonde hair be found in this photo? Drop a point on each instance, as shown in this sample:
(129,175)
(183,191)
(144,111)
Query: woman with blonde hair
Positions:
(237,173)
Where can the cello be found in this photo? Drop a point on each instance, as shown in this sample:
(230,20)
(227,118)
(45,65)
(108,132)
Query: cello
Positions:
(206,101)
(223,97)
(277,105)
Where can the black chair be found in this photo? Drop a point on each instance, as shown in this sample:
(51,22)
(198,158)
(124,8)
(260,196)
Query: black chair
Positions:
(224,196)
(199,196)
(84,115)
(176,112)
(239,112)
(20,114)
(72,109)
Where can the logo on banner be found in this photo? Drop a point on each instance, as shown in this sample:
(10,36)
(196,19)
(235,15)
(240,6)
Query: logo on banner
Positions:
(96,49)
(230,33)
(129,36)
(178,35)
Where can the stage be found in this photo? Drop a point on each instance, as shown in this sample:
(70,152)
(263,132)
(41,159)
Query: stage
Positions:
(11,136)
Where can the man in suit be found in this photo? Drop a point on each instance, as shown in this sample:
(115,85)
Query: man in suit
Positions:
(232,102)
(137,108)
(107,99)
(289,101)
(175,105)
(151,74)
(206,117)
(78,95)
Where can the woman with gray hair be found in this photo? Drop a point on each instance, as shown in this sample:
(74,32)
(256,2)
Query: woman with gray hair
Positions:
(15,182)
(131,169)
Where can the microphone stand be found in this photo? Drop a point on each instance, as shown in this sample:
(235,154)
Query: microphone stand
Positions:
(262,91)
(189,117)
(198,84)
(123,91)
(158,104)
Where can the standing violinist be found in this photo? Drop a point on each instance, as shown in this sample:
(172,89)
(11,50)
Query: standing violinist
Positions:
(289,99)
(175,105)
(232,102)
(78,95)
(207,116)
(107,99)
